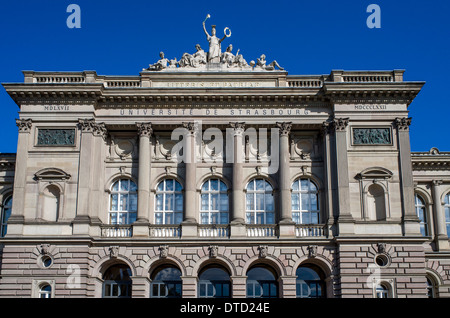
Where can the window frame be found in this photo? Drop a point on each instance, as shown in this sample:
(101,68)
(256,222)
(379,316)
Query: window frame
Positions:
(447,212)
(299,214)
(164,213)
(223,216)
(253,216)
(5,207)
(420,203)
(127,213)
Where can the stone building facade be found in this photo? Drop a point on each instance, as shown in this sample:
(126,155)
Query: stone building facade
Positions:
(221,183)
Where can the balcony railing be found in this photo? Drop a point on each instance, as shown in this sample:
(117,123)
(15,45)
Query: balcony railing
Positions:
(165,231)
(262,230)
(116,231)
(214,230)
(310,230)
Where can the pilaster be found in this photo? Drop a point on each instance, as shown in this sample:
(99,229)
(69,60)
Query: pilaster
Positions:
(441,238)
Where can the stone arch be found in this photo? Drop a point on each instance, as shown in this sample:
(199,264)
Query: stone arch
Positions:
(102,265)
(269,260)
(219,260)
(156,262)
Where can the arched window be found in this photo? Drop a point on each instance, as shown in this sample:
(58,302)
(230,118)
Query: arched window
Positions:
(214,282)
(6,213)
(432,291)
(123,202)
(422,214)
(45,291)
(214,202)
(305,202)
(169,202)
(50,206)
(261,282)
(447,213)
(117,282)
(259,202)
(166,282)
(382,291)
(310,282)
(376,203)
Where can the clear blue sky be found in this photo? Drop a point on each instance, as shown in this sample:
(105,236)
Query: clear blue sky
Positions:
(120,37)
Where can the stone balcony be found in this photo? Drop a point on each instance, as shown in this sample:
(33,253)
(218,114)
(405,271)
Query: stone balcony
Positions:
(216,231)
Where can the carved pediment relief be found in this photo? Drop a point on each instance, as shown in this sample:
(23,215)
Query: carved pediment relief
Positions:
(51,174)
(375,173)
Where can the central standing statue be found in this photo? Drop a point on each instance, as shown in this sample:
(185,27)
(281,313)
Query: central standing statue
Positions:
(215,51)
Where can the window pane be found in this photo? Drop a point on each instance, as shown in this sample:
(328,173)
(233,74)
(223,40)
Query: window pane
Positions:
(270,218)
(214,201)
(269,202)
(132,217)
(260,184)
(205,186)
(178,218)
(178,187)
(133,202)
(113,218)
(259,201)
(115,186)
(250,203)
(169,185)
(178,202)
(251,185)
(314,203)
(160,186)
(159,202)
(133,187)
(124,185)
(295,201)
(250,218)
(295,186)
(305,202)
(204,200)
(223,187)
(223,202)
(168,202)
(204,218)
(304,184)
(114,202)
(123,205)
(214,183)
(158,218)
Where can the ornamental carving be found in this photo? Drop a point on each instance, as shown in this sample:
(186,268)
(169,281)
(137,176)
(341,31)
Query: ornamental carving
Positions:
(312,251)
(340,124)
(213,251)
(113,251)
(56,137)
(214,59)
(238,128)
(144,129)
(164,251)
(263,251)
(192,127)
(372,136)
(44,249)
(24,124)
(285,128)
(402,123)
(90,125)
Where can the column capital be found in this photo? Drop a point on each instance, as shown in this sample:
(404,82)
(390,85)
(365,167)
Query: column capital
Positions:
(91,126)
(144,129)
(285,128)
(24,125)
(437,182)
(340,124)
(402,123)
(192,127)
(326,127)
(238,127)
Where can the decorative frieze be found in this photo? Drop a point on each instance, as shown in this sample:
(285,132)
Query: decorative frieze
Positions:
(372,136)
(56,137)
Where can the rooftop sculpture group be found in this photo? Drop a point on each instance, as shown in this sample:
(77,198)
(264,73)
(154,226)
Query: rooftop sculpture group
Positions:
(214,59)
